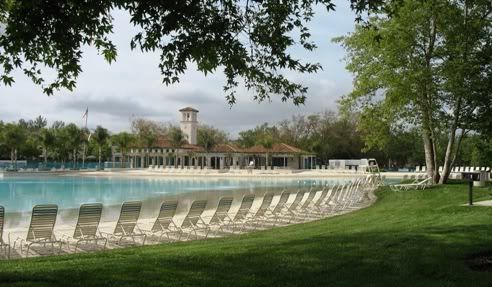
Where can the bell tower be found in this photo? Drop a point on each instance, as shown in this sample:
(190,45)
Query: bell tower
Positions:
(189,123)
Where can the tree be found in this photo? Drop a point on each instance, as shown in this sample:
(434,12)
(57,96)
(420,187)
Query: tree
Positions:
(208,137)
(75,138)
(251,41)
(123,140)
(414,68)
(177,139)
(14,136)
(261,135)
(100,136)
(39,123)
(47,140)
(141,125)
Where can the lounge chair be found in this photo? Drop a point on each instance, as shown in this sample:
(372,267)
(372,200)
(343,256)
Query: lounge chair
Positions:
(164,224)
(242,215)
(221,215)
(87,227)
(320,206)
(4,247)
(297,213)
(289,213)
(193,222)
(349,198)
(41,228)
(127,227)
(273,216)
(412,186)
(264,209)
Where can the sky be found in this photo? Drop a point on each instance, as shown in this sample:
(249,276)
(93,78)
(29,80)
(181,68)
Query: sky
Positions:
(132,86)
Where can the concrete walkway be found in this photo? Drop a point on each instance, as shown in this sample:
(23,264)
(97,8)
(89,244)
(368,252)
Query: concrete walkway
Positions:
(483,203)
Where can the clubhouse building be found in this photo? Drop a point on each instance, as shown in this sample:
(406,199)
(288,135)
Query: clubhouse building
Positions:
(221,156)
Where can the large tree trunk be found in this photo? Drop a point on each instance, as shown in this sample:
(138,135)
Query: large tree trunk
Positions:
(448,159)
(430,149)
(122,159)
(99,157)
(458,147)
(429,154)
(12,155)
(426,105)
(74,158)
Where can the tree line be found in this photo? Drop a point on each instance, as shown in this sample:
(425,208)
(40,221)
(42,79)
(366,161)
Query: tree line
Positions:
(329,135)
(34,140)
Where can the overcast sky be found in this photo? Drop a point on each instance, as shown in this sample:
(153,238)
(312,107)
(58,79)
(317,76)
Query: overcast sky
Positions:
(132,86)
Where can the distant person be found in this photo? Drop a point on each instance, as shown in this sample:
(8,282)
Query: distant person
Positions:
(251,166)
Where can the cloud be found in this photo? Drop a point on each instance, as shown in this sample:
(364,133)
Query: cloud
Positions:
(115,107)
(194,98)
(133,86)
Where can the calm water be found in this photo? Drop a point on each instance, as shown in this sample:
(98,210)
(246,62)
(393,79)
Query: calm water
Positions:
(19,194)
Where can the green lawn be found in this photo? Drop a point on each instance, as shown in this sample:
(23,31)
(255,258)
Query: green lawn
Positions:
(418,238)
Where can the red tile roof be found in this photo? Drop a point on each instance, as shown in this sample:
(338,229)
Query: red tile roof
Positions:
(226,148)
(276,148)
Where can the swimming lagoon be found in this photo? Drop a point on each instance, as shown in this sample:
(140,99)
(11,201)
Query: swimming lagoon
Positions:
(19,194)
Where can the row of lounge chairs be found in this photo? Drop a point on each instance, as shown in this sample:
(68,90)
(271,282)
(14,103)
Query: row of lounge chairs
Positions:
(456,168)
(179,170)
(306,205)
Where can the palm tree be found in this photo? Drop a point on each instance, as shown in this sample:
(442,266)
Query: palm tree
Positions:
(75,138)
(14,136)
(207,138)
(177,139)
(267,142)
(148,139)
(47,139)
(123,140)
(100,136)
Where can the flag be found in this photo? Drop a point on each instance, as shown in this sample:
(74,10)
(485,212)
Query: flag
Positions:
(86,113)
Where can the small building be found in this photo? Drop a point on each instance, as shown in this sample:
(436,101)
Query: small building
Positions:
(363,164)
(221,156)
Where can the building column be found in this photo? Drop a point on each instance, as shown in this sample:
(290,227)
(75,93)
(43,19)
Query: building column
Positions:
(142,161)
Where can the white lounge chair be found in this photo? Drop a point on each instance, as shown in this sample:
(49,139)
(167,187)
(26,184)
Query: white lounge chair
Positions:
(87,227)
(40,230)
(164,224)
(221,215)
(412,186)
(126,227)
(252,219)
(193,222)
(4,247)
(241,216)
